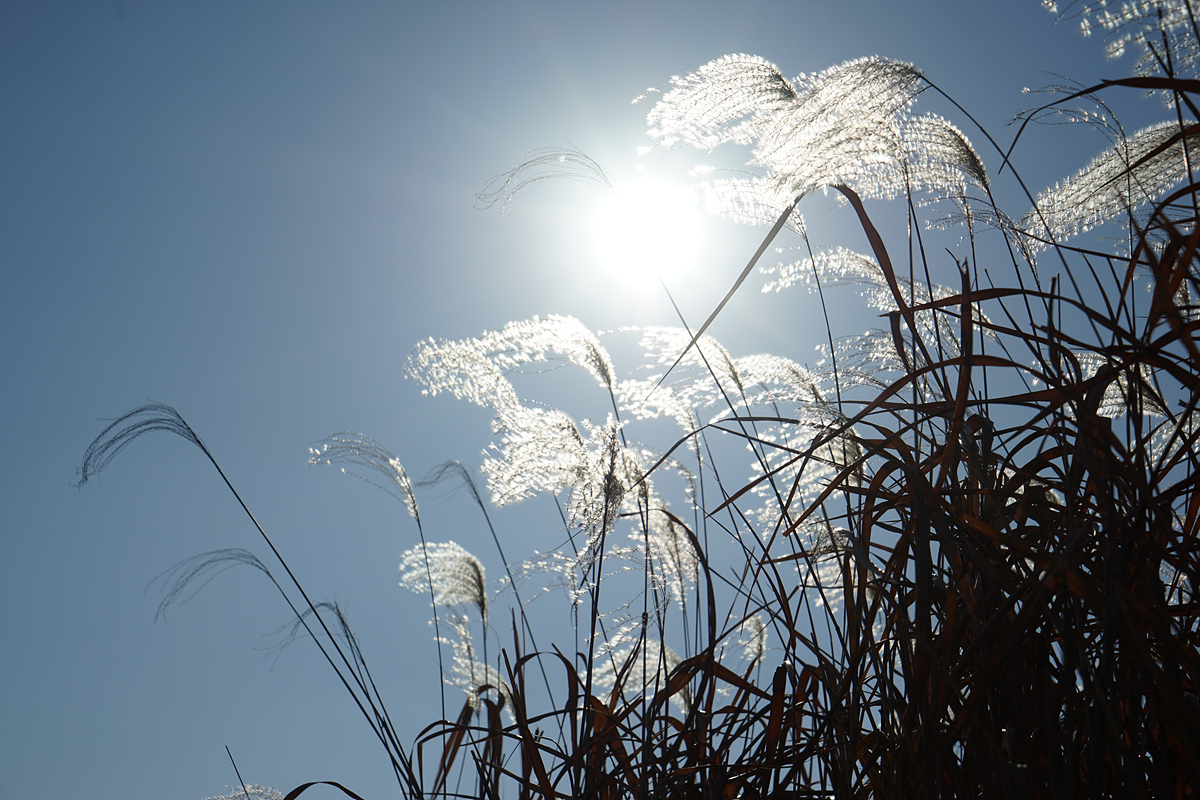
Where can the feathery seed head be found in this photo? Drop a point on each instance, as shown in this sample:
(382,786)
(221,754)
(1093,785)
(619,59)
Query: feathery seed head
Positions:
(1143,23)
(754,638)
(252,791)
(475,369)
(1123,179)
(647,664)
(121,433)
(362,451)
(462,369)
(538,450)
(539,339)
(537,165)
(449,572)
(846,125)
(474,677)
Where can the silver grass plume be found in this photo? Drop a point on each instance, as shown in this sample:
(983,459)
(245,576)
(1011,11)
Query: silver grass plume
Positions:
(939,157)
(468,673)
(664,540)
(609,483)
(1117,182)
(446,570)
(1125,386)
(252,791)
(459,367)
(1142,24)
(808,453)
(554,337)
(749,201)
(693,377)
(726,100)
(649,664)
(643,399)
(842,128)
(128,427)
(537,165)
(847,124)
(612,484)
(358,450)
(875,349)
(475,369)
(804,458)
(609,470)
(537,450)
(203,567)
(754,638)
(1171,439)
(781,379)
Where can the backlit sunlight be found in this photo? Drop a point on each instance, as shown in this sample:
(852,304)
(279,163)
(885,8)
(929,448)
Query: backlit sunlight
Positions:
(648,230)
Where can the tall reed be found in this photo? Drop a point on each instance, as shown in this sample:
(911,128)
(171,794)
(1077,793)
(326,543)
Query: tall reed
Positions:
(965,551)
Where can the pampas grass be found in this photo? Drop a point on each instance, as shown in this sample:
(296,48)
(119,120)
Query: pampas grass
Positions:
(960,560)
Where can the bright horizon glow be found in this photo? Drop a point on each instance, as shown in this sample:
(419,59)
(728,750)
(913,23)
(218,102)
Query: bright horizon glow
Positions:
(648,230)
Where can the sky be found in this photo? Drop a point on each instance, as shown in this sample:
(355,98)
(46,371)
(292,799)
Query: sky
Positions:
(254,211)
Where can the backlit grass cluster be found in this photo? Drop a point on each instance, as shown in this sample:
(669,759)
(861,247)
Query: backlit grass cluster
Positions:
(959,556)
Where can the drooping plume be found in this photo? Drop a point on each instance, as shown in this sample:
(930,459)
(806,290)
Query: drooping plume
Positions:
(846,125)
(358,450)
(1145,24)
(537,165)
(468,672)
(536,450)
(445,569)
(1135,172)
(644,666)
(475,369)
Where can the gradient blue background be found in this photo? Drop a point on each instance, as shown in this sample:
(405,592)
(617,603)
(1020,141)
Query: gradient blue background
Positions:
(253,212)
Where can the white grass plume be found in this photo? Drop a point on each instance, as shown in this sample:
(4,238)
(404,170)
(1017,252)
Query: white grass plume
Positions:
(1140,23)
(846,125)
(468,673)
(609,471)
(779,379)
(537,450)
(663,540)
(453,576)
(802,459)
(475,369)
(1117,182)
(692,381)
(608,483)
(676,554)
(648,665)
(645,399)
(874,351)
(554,337)
(537,165)
(726,100)
(358,450)
(749,201)
(461,368)
(252,791)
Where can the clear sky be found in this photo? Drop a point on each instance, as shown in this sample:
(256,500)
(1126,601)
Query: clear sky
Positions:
(253,211)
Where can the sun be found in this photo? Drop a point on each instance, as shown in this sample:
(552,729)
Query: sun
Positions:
(646,231)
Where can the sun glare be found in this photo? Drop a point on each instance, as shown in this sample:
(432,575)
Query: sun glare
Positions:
(648,230)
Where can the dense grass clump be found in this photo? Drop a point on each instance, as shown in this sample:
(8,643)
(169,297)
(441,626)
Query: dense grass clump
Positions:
(962,558)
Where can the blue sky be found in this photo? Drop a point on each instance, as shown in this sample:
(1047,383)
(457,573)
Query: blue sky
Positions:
(253,212)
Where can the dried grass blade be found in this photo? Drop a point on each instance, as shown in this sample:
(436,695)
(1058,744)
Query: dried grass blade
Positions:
(762,248)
